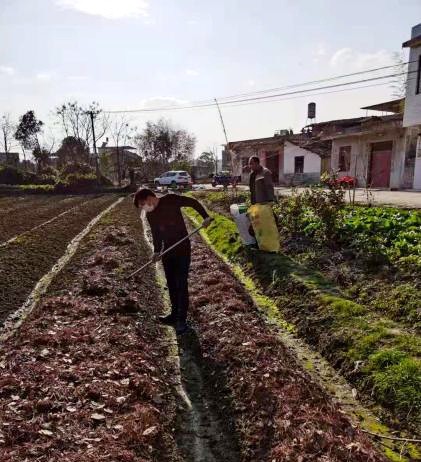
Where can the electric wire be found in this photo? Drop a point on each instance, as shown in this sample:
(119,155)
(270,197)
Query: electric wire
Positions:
(224,101)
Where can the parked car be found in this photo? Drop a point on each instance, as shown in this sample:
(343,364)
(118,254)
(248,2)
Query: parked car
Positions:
(223,179)
(173,178)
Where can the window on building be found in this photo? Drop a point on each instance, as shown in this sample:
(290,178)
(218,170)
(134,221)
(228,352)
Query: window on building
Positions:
(418,88)
(344,158)
(299,164)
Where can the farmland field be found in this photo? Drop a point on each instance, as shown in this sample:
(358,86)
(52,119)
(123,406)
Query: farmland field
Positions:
(26,259)
(20,214)
(91,376)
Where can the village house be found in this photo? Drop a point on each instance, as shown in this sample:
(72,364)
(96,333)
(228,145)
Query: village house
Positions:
(112,156)
(290,158)
(377,150)
(382,151)
(412,112)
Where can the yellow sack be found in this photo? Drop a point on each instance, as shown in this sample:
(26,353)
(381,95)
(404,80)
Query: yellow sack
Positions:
(264,226)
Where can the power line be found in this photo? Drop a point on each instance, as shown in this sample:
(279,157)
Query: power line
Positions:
(257,98)
(366,71)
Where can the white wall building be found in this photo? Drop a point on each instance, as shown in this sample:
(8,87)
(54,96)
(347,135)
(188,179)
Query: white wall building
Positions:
(412,113)
(300,165)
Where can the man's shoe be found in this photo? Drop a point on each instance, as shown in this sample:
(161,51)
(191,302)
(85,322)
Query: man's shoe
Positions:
(181,327)
(168,320)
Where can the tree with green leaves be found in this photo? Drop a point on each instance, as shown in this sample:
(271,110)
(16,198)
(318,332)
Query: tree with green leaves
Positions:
(72,150)
(28,130)
(42,158)
(207,161)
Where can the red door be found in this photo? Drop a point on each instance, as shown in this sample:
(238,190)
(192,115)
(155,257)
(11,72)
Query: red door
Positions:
(381,162)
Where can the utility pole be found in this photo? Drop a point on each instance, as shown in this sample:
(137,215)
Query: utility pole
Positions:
(222,120)
(225,133)
(91,114)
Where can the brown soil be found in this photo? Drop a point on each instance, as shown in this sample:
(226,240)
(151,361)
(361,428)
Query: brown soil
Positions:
(88,377)
(24,261)
(279,413)
(20,214)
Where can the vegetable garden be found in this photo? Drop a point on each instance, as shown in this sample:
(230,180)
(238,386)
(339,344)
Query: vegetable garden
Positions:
(90,375)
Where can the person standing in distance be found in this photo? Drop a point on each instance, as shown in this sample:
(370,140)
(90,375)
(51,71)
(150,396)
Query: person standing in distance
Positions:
(261,183)
(168,227)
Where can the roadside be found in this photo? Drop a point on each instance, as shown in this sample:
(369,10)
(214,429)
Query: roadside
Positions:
(403,199)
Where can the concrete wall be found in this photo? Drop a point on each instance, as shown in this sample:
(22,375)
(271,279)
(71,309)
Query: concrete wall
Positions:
(360,156)
(412,114)
(417,172)
(312,162)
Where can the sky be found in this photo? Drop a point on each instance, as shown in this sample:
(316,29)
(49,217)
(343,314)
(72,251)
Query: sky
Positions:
(131,54)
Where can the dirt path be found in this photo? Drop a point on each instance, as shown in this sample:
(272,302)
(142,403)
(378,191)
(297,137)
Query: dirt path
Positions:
(203,435)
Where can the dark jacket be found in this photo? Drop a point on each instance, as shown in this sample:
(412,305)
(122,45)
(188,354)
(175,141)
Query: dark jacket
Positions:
(167,223)
(261,186)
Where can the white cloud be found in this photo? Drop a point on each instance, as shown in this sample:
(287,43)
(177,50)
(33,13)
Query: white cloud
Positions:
(7,70)
(347,58)
(251,83)
(192,72)
(77,78)
(44,76)
(109,9)
(162,101)
(321,50)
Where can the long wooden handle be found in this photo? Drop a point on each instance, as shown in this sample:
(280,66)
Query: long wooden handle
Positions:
(165,251)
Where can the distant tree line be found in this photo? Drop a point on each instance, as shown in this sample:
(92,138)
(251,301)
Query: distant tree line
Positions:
(159,145)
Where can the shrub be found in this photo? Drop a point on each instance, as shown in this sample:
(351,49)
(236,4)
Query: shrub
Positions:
(12,176)
(75,183)
(49,171)
(76,169)
(313,213)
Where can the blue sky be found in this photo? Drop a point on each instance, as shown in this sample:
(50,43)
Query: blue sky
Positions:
(142,53)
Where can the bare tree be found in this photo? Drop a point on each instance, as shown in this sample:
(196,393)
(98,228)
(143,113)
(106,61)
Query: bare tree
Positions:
(399,82)
(75,121)
(7,129)
(161,145)
(121,132)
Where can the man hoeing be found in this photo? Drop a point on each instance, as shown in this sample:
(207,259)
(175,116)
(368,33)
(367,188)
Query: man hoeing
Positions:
(168,227)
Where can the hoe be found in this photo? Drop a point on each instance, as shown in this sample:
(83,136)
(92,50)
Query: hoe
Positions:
(165,251)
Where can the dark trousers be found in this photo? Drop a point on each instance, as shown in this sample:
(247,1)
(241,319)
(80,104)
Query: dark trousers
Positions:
(177,273)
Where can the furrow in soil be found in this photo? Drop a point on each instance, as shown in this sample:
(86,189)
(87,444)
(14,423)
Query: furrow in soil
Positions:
(24,261)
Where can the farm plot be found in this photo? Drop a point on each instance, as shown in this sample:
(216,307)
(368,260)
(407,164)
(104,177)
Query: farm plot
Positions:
(89,376)
(21,214)
(25,260)
(279,413)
